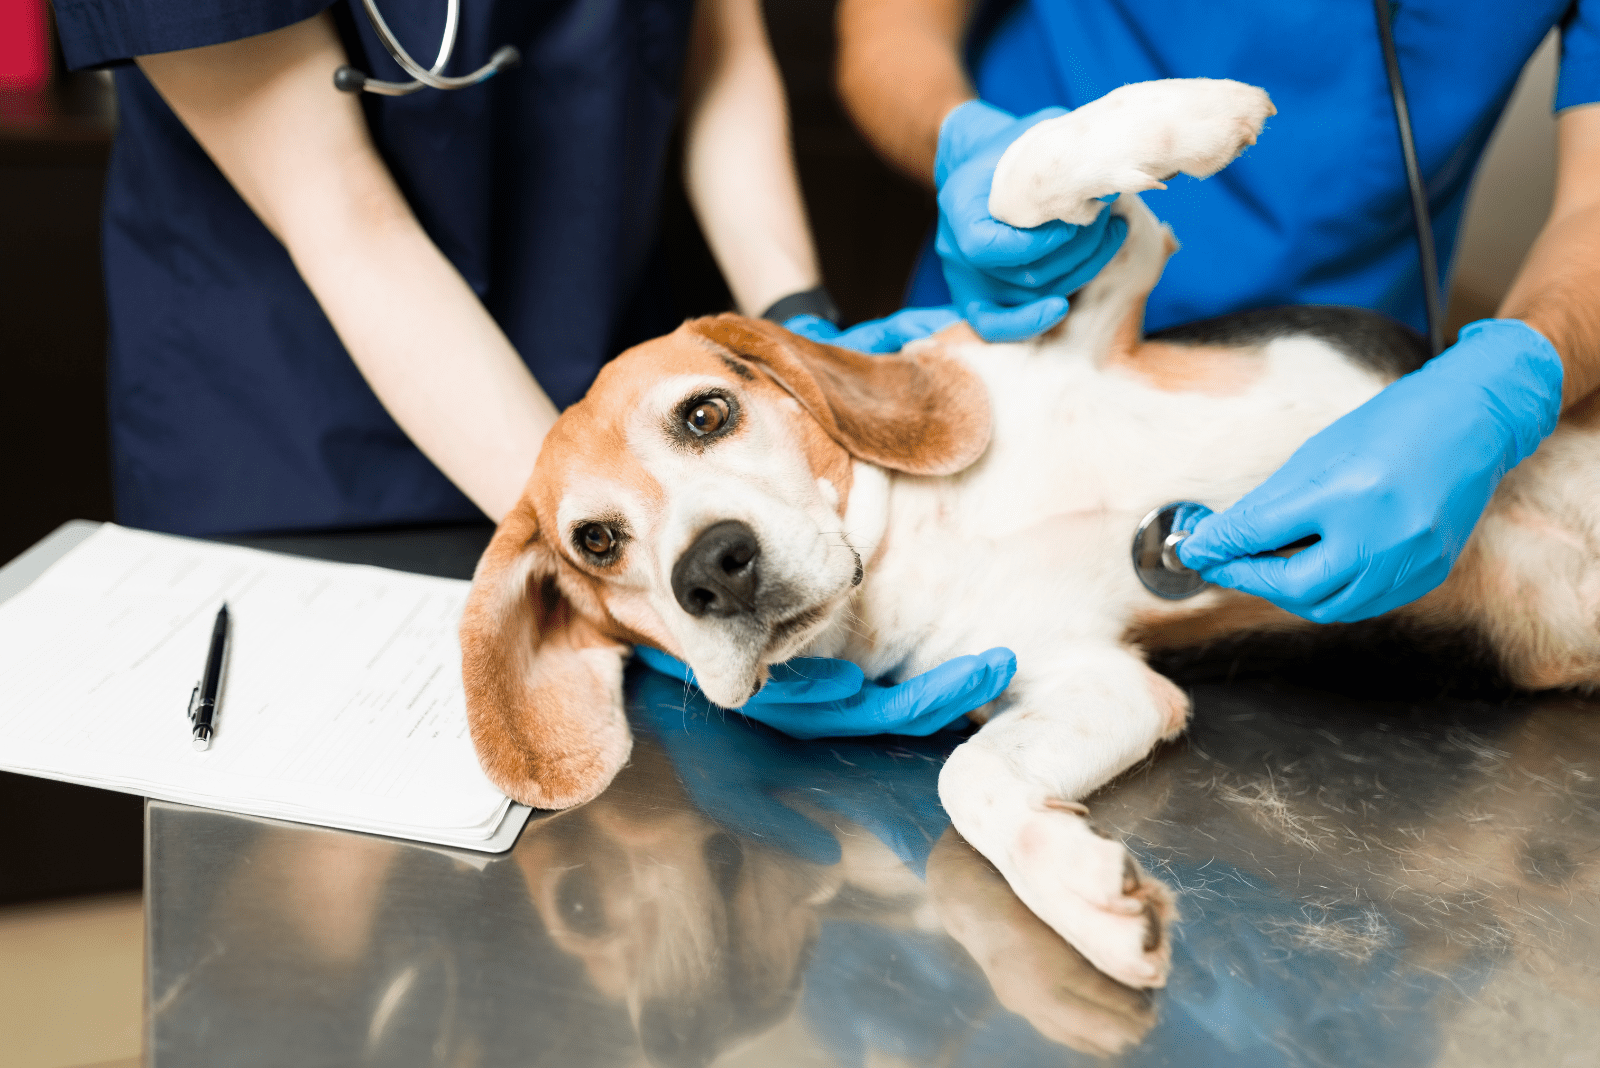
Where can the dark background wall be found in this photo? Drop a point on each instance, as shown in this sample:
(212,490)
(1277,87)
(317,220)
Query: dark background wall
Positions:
(868,221)
(57,839)
(53,151)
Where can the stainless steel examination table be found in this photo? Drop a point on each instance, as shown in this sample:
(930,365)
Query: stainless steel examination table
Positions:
(1362,882)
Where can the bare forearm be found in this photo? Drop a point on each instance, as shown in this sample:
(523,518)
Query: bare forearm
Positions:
(1558,294)
(438,362)
(737,162)
(1557,291)
(900,73)
(298,153)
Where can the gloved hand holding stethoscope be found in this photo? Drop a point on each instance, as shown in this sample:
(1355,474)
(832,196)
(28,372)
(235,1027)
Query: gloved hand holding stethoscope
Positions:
(1390,492)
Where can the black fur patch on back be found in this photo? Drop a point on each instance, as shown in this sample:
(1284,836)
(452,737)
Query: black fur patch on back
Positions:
(1366,338)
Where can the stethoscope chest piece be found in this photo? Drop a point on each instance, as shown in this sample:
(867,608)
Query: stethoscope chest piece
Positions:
(1155,557)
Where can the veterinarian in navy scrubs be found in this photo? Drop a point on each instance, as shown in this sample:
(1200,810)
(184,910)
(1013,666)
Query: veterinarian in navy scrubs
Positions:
(260,224)
(333,310)
(1317,213)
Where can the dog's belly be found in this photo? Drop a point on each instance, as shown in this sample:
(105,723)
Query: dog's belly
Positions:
(1072,438)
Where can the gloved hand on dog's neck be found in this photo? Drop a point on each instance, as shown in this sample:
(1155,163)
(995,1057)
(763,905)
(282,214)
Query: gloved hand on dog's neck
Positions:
(815,697)
(1394,488)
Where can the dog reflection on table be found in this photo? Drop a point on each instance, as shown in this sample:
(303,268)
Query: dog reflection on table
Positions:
(703,936)
(1479,861)
(707,935)
(648,914)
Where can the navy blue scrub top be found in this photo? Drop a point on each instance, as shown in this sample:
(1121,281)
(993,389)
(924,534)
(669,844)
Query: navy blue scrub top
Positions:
(234,407)
(1318,211)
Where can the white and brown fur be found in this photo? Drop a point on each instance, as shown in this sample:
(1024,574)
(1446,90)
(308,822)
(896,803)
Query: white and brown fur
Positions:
(961,496)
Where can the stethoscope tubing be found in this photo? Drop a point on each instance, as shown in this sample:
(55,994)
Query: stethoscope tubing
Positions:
(1431,295)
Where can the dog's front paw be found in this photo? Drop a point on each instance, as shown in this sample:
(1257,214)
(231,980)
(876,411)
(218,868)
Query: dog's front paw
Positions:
(1198,125)
(1094,894)
(1132,139)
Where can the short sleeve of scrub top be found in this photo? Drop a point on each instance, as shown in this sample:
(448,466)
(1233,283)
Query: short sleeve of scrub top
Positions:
(99,32)
(1579,82)
(233,405)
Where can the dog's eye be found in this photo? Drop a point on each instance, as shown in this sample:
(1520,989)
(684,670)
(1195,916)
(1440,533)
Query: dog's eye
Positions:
(579,903)
(706,416)
(596,538)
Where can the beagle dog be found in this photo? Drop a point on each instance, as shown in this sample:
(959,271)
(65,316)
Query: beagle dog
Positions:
(736,495)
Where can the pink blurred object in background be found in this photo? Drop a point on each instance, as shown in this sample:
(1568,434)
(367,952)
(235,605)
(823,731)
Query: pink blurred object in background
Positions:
(24,60)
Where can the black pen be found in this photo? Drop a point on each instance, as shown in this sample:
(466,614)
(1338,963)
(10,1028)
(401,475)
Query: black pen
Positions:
(203,701)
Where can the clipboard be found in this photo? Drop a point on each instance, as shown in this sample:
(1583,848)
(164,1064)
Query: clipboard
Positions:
(21,573)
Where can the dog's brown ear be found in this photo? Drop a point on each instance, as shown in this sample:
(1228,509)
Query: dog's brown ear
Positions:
(925,413)
(543,684)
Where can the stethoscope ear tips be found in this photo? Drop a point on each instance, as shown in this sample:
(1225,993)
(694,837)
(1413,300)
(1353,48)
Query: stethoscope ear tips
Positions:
(349,80)
(1155,555)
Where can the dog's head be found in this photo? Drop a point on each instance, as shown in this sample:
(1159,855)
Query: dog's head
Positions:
(692,501)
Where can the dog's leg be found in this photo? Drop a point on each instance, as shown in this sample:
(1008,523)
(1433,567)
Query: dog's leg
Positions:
(1129,140)
(1015,789)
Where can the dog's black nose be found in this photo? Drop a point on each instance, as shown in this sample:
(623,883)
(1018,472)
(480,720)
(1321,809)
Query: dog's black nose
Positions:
(717,575)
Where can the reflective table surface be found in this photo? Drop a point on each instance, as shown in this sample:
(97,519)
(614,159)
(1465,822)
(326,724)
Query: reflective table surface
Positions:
(1361,882)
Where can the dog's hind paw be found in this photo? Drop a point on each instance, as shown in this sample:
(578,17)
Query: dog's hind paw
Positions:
(1093,893)
(1132,139)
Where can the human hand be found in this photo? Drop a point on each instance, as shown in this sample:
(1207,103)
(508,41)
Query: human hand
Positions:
(1395,487)
(889,334)
(1010,284)
(816,697)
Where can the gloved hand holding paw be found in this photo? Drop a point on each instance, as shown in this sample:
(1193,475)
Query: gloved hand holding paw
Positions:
(1010,284)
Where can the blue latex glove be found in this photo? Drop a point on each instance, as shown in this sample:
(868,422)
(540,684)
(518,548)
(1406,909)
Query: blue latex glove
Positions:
(814,697)
(876,335)
(1009,284)
(1395,487)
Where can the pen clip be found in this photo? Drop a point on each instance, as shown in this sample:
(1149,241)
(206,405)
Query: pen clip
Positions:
(194,697)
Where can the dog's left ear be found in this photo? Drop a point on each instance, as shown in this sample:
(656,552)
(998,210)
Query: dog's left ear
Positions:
(923,413)
(543,684)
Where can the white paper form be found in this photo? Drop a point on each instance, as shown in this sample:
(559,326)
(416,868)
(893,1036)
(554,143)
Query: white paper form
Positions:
(341,704)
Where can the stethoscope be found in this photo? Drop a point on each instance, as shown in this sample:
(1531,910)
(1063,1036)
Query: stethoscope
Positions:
(1156,540)
(349,80)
